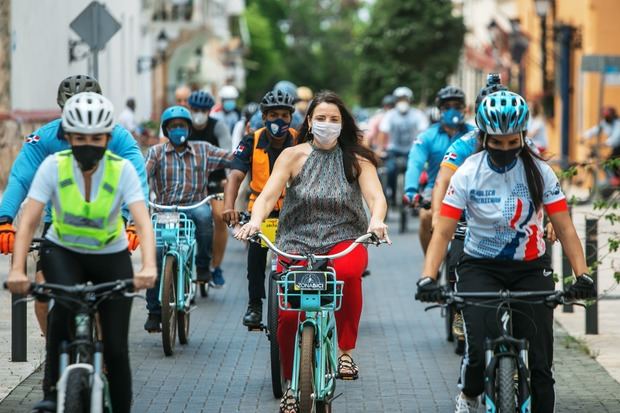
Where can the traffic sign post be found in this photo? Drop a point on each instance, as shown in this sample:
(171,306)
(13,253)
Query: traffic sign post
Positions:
(95,26)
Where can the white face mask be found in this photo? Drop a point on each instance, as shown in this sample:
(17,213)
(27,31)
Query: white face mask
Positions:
(326,133)
(199,118)
(402,106)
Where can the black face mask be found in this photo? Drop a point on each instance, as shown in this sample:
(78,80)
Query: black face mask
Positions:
(87,156)
(502,158)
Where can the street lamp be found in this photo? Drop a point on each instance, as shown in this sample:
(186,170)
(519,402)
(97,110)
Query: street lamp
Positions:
(162,44)
(542,9)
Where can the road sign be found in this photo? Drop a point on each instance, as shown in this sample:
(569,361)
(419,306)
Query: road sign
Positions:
(95,25)
(600,63)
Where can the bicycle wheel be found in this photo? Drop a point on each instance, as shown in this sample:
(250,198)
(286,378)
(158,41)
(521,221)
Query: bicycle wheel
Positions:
(277,374)
(169,306)
(183,316)
(306,369)
(77,396)
(506,396)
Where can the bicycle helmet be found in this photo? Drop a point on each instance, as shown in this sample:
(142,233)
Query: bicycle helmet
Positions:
(286,87)
(250,109)
(449,93)
(502,113)
(403,92)
(388,100)
(229,92)
(88,113)
(487,90)
(174,112)
(277,100)
(201,100)
(73,85)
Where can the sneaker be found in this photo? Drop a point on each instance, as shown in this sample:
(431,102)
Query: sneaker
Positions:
(457,325)
(217,278)
(465,405)
(153,323)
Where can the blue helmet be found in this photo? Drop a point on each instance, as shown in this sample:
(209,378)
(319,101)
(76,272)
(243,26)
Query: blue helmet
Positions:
(502,113)
(174,112)
(287,87)
(201,100)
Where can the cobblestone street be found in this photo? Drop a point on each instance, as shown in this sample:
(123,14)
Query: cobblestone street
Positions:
(406,364)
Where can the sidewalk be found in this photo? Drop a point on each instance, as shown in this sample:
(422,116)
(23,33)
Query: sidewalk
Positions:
(603,347)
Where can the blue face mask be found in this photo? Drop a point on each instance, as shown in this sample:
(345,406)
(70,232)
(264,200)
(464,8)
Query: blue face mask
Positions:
(452,118)
(229,105)
(178,136)
(278,127)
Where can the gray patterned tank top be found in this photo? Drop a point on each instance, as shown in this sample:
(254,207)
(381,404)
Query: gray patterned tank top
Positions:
(321,208)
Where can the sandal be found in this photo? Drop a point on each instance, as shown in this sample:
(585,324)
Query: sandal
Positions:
(347,369)
(288,403)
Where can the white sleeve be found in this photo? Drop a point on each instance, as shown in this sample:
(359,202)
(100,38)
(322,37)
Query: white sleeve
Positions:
(130,187)
(45,181)
(422,121)
(553,190)
(456,195)
(384,126)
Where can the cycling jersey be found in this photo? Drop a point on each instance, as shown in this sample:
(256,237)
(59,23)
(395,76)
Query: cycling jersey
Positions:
(402,128)
(429,147)
(502,222)
(48,140)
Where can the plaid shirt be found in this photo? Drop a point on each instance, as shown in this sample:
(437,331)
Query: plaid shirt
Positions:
(182,178)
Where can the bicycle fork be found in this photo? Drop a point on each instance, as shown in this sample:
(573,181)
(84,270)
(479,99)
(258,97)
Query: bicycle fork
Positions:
(493,350)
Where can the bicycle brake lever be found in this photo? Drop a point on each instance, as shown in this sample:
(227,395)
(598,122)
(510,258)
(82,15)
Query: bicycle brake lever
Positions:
(430,307)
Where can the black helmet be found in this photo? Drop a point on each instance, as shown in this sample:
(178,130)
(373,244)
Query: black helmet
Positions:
(277,100)
(388,100)
(449,93)
(74,85)
(494,84)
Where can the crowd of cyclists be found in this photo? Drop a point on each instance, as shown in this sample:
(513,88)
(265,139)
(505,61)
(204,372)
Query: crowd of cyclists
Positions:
(301,158)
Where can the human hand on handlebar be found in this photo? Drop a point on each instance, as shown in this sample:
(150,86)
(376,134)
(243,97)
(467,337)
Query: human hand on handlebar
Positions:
(428,290)
(18,282)
(380,229)
(145,278)
(231,217)
(247,230)
(412,199)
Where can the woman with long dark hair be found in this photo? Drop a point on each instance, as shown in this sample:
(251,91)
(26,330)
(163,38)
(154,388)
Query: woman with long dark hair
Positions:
(504,190)
(327,177)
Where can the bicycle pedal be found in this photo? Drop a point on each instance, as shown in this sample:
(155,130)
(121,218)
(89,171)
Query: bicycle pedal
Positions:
(259,328)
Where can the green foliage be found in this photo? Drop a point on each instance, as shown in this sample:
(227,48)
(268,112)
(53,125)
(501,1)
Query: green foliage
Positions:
(412,43)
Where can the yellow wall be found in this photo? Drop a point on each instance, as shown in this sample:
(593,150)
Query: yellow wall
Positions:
(599,30)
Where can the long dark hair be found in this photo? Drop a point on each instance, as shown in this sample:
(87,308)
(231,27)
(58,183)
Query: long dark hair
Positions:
(535,182)
(350,137)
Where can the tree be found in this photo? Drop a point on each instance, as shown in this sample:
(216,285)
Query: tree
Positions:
(410,43)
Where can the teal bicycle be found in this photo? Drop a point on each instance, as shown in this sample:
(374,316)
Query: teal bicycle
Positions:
(175,234)
(312,288)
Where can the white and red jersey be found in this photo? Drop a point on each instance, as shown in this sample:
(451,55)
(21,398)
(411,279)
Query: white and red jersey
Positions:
(502,222)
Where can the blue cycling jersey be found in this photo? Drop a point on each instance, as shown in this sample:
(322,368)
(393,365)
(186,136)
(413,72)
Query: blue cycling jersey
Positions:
(429,149)
(47,140)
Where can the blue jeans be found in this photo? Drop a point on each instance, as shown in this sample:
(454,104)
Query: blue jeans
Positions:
(203,219)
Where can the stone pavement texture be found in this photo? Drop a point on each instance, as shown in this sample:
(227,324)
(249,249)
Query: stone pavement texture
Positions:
(406,364)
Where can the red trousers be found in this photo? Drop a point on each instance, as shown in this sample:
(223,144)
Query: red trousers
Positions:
(348,269)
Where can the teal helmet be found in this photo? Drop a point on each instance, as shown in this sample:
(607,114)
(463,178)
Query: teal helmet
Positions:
(502,113)
(174,112)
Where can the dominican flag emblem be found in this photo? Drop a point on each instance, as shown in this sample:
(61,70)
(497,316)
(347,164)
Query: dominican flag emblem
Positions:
(239,149)
(32,138)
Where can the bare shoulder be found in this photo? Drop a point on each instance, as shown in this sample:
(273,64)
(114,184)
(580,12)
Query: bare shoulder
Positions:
(294,153)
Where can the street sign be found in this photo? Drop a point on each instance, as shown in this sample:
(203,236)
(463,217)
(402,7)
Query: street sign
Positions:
(95,25)
(600,63)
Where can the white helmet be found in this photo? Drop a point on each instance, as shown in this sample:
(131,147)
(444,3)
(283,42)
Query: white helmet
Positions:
(88,113)
(229,92)
(403,92)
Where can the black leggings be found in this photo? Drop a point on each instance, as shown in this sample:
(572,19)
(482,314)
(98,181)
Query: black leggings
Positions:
(62,266)
(478,275)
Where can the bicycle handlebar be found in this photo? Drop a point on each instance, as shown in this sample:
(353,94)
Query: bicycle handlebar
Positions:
(218,196)
(49,290)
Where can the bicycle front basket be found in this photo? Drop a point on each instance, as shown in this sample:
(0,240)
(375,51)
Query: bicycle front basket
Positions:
(173,228)
(304,290)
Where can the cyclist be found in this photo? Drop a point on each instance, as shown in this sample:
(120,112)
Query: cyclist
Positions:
(402,124)
(304,97)
(45,141)
(290,89)
(504,190)
(257,154)
(610,125)
(429,149)
(179,174)
(229,114)
(181,95)
(330,176)
(87,185)
(372,135)
(209,129)
(243,127)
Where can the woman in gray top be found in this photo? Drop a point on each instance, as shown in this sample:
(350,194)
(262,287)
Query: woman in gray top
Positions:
(326,177)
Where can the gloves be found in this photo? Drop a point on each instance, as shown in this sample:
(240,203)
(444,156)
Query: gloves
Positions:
(582,289)
(411,198)
(7,238)
(132,238)
(428,290)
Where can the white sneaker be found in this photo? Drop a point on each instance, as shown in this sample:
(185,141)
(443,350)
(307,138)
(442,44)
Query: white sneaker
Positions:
(465,405)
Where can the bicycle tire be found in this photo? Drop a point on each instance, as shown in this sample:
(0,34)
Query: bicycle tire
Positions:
(77,396)
(277,373)
(306,369)
(449,310)
(168,306)
(506,395)
(183,316)
(323,407)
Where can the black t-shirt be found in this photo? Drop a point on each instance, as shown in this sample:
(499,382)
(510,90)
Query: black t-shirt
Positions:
(208,135)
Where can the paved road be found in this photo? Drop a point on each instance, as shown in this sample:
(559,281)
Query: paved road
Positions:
(406,366)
